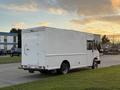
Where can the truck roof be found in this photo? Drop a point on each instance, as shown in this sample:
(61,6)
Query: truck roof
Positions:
(43,28)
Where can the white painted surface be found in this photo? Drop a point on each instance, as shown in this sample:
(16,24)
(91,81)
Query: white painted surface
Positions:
(32,49)
(1,39)
(9,47)
(49,47)
(9,39)
(1,46)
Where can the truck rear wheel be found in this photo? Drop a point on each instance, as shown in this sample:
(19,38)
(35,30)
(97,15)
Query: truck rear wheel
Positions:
(95,64)
(31,71)
(43,71)
(64,68)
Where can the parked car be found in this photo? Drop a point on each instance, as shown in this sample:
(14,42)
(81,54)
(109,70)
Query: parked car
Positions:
(3,52)
(15,52)
(113,50)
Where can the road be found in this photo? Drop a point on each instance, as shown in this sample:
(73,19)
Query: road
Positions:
(109,60)
(11,75)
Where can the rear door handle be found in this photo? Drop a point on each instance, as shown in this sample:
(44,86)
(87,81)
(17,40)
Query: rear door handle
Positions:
(27,49)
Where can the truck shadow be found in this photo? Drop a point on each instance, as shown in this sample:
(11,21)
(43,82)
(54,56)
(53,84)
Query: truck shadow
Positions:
(38,76)
(80,69)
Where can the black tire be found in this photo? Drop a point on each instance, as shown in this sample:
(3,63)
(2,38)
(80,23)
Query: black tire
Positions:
(64,68)
(31,71)
(43,71)
(95,64)
(11,55)
(18,54)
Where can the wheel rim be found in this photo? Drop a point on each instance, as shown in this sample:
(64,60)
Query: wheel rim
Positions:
(95,64)
(65,68)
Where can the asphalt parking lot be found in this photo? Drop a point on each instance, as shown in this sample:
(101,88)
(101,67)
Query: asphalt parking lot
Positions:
(109,60)
(11,75)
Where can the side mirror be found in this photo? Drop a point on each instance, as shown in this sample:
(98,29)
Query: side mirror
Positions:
(92,50)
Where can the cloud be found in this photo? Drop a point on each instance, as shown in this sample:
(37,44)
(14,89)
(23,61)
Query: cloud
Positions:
(83,13)
(112,19)
(97,27)
(79,7)
(22,25)
(22,7)
(98,31)
(81,21)
(82,7)
(43,24)
(116,4)
(95,7)
(57,11)
(19,25)
(34,6)
(103,27)
(85,7)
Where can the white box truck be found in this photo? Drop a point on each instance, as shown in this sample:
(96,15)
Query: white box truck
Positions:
(46,48)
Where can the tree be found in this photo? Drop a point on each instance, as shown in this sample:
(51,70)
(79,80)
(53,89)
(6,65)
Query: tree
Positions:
(105,39)
(13,30)
(18,31)
(19,38)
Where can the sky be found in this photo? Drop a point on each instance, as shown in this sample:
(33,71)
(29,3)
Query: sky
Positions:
(94,16)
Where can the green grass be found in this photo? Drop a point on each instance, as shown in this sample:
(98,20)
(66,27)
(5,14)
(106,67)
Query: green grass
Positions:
(8,59)
(85,79)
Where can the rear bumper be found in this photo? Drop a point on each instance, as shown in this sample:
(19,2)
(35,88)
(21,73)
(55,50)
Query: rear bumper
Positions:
(31,67)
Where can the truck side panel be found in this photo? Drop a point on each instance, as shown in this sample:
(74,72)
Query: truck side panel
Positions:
(65,45)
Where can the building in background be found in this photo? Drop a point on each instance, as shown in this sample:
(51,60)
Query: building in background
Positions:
(8,40)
